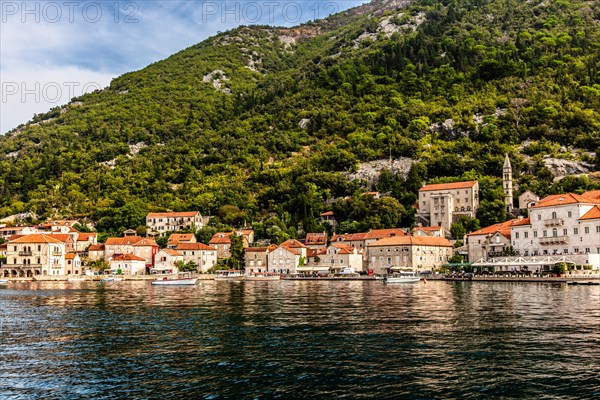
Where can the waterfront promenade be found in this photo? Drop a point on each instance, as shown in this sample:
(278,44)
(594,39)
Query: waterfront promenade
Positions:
(430,277)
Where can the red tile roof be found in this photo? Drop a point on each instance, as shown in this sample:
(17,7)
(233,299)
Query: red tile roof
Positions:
(194,246)
(315,252)
(327,213)
(172,252)
(293,243)
(84,237)
(130,240)
(181,237)
(316,238)
(290,250)
(39,238)
(13,237)
(412,240)
(220,240)
(567,198)
(448,186)
(593,194)
(593,213)
(381,233)
(349,237)
(127,257)
(70,256)
(96,247)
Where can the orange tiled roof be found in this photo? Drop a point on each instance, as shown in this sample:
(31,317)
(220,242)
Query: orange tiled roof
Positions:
(220,240)
(349,237)
(127,257)
(63,237)
(594,213)
(315,252)
(39,238)
(448,186)
(96,247)
(412,240)
(172,252)
(194,246)
(86,236)
(327,213)
(70,256)
(567,198)
(381,233)
(290,249)
(130,240)
(181,237)
(293,243)
(316,238)
(13,237)
(593,194)
(173,214)
(524,221)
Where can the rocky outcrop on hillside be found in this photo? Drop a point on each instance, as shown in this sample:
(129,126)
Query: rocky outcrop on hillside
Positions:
(369,171)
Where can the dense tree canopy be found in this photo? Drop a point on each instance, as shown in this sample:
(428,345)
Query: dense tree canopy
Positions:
(251,128)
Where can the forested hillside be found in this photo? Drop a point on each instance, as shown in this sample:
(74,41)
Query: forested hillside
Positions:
(261,124)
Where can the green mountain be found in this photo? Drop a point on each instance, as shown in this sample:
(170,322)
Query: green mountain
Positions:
(267,122)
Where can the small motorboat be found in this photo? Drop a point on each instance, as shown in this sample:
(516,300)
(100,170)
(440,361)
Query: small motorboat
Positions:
(263,276)
(175,281)
(577,283)
(402,277)
(231,275)
(3,281)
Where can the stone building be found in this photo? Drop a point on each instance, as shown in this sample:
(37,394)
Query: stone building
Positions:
(441,204)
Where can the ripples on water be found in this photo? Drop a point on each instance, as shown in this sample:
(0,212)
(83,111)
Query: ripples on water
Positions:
(295,339)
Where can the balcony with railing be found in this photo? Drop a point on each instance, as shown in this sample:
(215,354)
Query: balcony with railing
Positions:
(554,222)
(554,240)
(25,253)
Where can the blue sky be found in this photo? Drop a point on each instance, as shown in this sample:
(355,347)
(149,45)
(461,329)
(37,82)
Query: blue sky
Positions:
(51,51)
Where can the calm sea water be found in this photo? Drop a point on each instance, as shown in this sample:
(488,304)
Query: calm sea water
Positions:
(293,339)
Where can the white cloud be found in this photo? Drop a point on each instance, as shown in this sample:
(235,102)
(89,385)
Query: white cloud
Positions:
(40,48)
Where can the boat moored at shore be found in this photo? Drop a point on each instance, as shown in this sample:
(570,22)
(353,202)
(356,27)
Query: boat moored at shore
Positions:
(175,281)
(403,277)
(231,275)
(263,276)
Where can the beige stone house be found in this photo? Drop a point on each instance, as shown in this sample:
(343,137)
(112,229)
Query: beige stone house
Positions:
(256,259)
(166,261)
(127,264)
(160,223)
(204,256)
(416,253)
(136,245)
(35,254)
(441,204)
(284,260)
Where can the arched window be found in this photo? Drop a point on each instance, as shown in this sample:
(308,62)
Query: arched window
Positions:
(554,232)
(553,214)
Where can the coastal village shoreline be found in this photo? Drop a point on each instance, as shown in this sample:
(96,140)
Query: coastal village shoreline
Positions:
(437,277)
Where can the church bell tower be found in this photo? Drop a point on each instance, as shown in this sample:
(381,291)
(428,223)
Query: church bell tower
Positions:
(507,184)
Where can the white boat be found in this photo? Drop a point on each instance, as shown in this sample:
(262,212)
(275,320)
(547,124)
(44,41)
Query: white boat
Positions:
(402,277)
(111,279)
(263,276)
(3,281)
(232,275)
(175,281)
(76,279)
